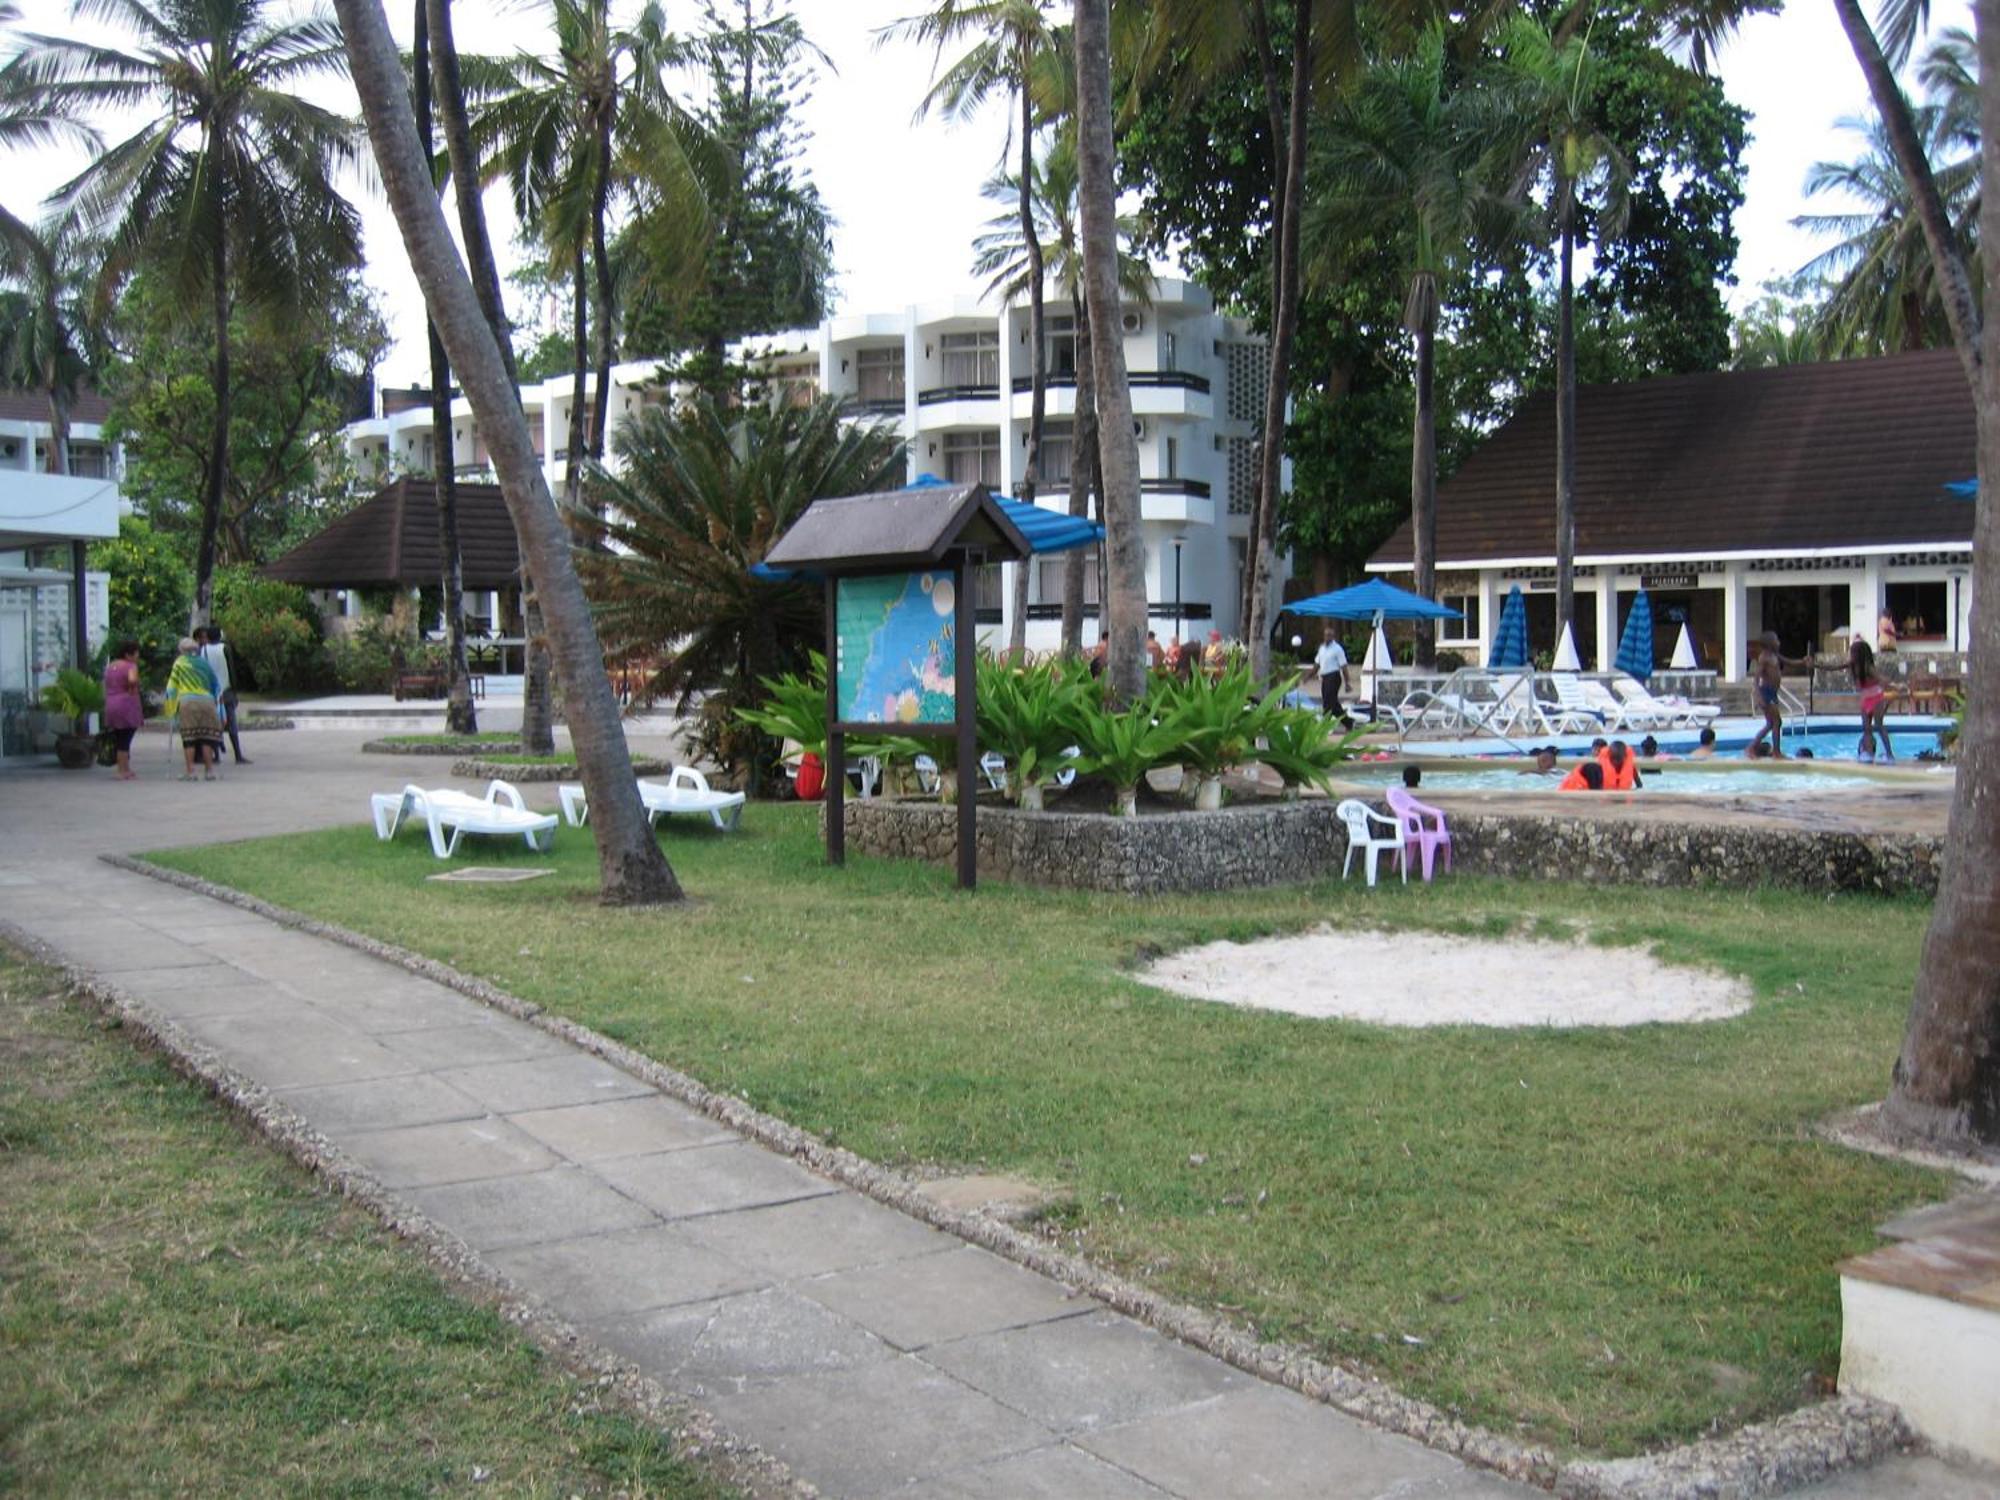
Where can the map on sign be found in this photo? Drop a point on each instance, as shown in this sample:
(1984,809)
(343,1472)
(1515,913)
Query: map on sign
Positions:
(894,660)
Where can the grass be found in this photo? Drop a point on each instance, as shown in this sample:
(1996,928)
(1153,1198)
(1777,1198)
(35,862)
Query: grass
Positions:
(1605,1239)
(451,739)
(182,1311)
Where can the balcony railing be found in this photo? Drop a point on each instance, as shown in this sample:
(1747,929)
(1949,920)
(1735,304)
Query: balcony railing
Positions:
(872,406)
(1190,609)
(942,393)
(1169,380)
(1196,487)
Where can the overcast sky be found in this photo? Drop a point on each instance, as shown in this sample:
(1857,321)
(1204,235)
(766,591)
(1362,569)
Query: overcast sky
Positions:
(906,196)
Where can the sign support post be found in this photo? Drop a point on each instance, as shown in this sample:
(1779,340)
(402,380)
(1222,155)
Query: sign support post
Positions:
(966,691)
(836,742)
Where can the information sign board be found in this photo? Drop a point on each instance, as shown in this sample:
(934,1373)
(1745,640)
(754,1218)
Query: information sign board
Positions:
(895,650)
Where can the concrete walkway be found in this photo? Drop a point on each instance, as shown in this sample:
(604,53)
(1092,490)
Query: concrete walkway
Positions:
(871,1353)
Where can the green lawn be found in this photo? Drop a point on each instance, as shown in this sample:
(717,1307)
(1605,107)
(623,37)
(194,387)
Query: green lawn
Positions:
(183,1311)
(1609,1240)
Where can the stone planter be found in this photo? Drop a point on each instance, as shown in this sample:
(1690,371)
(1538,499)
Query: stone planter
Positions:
(76,752)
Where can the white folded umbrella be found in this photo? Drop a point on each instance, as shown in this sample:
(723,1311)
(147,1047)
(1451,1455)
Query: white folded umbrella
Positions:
(1684,657)
(1566,657)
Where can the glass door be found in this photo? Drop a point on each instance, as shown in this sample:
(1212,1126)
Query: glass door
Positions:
(16,682)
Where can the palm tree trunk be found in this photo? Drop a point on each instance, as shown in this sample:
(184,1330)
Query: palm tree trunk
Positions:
(1423,481)
(1031,244)
(465,180)
(600,256)
(1124,607)
(1566,415)
(579,390)
(1284,332)
(459,715)
(58,428)
(218,446)
(631,868)
(1082,463)
(1954,285)
(1946,1084)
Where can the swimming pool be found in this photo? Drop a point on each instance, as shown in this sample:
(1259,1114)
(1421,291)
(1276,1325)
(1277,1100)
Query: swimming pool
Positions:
(1680,777)
(1828,739)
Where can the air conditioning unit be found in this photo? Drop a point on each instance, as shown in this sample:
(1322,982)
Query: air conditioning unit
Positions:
(1132,322)
(1139,428)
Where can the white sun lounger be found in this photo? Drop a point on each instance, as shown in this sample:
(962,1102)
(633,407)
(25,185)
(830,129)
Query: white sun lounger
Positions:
(1671,713)
(451,814)
(685,791)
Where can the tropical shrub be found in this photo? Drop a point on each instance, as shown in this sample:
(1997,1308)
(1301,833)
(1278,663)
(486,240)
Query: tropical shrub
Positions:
(1301,746)
(273,631)
(1122,745)
(1219,719)
(151,590)
(73,695)
(1028,715)
(793,707)
(363,660)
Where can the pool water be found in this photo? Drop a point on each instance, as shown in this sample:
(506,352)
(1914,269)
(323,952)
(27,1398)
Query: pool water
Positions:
(1841,744)
(1680,777)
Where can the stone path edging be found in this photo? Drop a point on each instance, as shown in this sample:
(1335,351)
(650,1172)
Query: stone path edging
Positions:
(564,770)
(697,1435)
(1762,1459)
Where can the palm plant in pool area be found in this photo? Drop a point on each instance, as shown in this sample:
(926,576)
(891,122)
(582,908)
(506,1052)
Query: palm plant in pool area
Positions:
(1121,745)
(1218,721)
(1028,715)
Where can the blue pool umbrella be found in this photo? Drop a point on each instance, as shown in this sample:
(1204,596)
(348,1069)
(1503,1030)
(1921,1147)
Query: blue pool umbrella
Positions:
(1963,489)
(1635,646)
(1510,634)
(1373,600)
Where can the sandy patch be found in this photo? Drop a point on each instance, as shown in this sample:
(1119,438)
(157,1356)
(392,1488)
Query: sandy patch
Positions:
(1436,979)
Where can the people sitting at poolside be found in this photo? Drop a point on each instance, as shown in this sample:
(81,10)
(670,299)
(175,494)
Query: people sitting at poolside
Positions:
(1705,750)
(1588,777)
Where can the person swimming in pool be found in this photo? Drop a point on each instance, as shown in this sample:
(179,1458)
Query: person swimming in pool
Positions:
(1705,750)
(1544,762)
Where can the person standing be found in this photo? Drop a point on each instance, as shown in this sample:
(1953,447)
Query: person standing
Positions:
(1874,703)
(192,694)
(216,654)
(123,710)
(1767,677)
(1330,661)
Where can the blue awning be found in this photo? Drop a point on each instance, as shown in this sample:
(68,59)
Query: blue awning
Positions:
(1370,600)
(1045,530)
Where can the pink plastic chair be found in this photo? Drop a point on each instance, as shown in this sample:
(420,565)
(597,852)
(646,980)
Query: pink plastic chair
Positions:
(1423,828)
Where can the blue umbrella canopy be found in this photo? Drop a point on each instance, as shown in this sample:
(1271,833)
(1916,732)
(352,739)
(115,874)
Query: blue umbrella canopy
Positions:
(1510,635)
(1044,530)
(1372,600)
(1635,646)
(1963,489)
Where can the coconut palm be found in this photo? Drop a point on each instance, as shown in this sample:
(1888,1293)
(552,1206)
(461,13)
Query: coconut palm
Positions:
(631,868)
(1552,81)
(1001,255)
(226,189)
(1009,39)
(44,312)
(701,492)
(1404,155)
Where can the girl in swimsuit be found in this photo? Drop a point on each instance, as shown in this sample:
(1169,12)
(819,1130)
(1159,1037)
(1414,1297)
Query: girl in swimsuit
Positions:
(1874,703)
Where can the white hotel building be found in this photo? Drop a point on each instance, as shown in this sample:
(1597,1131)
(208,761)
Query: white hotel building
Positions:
(953,376)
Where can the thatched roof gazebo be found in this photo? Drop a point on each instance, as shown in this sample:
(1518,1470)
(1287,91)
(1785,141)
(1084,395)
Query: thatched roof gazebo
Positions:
(391,541)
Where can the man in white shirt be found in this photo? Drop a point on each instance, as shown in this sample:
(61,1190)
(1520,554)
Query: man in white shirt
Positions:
(217,656)
(1330,661)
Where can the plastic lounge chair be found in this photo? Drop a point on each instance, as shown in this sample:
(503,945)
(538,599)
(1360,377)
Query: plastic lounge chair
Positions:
(451,814)
(1423,826)
(992,770)
(1573,694)
(1363,823)
(686,790)
(1517,692)
(1670,713)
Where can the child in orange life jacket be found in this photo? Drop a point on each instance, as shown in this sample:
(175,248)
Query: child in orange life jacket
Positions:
(1621,767)
(1588,777)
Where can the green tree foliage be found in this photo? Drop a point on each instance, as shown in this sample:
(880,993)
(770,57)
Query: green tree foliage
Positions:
(151,585)
(46,323)
(272,628)
(298,378)
(701,493)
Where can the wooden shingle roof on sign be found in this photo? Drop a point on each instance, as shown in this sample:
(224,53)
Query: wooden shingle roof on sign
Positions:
(390,540)
(907,528)
(1789,460)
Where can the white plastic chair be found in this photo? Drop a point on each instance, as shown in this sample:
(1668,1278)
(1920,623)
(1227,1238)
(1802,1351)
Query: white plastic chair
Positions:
(450,815)
(686,790)
(1362,824)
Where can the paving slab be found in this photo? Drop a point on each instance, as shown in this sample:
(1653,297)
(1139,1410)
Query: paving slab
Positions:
(870,1430)
(1087,1373)
(544,1083)
(450,1151)
(916,1303)
(736,1342)
(382,1011)
(1060,1472)
(559,1204)
(340,1110)
(282,1047)
(230,992)
(1261,1442)
(833,1233)
(712,1179)
(637,1270)
(622,1127)
(487,1040)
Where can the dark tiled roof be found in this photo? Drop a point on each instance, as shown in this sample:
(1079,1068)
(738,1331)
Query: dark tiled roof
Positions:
(392,540)
(1850,454)
(18,405)
(897,528)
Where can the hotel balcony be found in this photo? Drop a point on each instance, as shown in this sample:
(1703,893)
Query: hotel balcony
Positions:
(1155,393)
(1183,502)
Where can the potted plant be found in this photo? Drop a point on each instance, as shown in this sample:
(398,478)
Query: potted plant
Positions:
(1027,716)
(1301,746)
(74,695)
(794,709)
(1122,746)
(1220,720)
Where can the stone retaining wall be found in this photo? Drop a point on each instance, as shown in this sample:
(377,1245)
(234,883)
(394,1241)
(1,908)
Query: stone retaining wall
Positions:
(1291,843)
(554,770)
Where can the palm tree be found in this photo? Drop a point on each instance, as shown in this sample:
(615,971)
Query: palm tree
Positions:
(631,868)
(1011,37)
(1403,154)
(227,189)
(43,314)
(1553,81)
(701,492)
(1001,255)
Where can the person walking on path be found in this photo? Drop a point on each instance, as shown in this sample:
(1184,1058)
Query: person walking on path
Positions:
(123,710)
(1874,703)
(216,654)
(1330,661)
(192,701)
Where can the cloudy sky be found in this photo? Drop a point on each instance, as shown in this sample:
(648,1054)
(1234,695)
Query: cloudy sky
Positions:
(906,195)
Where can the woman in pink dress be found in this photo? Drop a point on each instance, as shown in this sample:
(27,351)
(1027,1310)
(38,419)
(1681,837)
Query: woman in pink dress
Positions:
(123,712)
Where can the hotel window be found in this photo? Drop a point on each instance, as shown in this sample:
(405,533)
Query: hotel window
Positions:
(1169,352)
(1059,338)
(1049,577)
(1058,453)
(1173,459)
(1922,610)
(971,358)
(1460,630)
(879,374)
(988,591)
(972,457)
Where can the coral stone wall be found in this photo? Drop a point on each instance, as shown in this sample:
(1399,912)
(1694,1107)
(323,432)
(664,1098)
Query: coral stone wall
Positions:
(1290,843)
